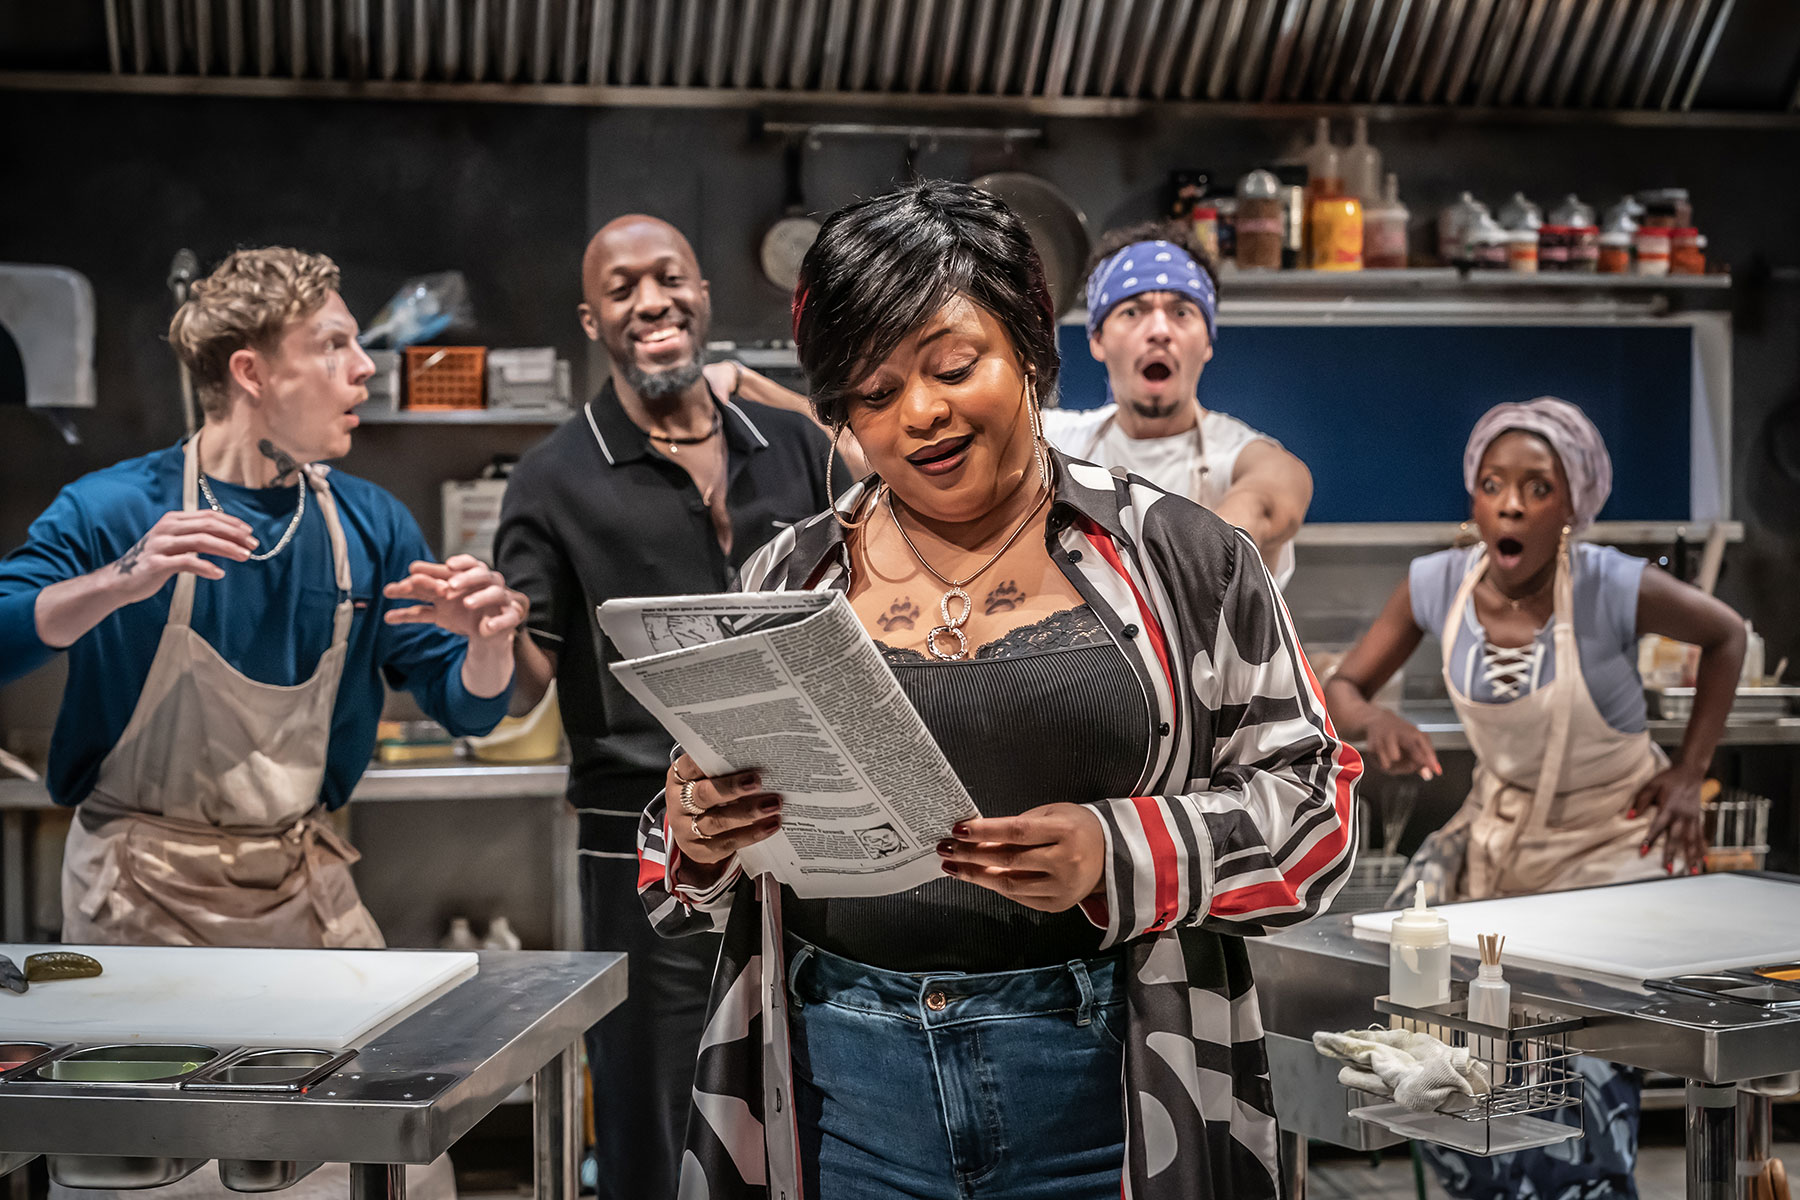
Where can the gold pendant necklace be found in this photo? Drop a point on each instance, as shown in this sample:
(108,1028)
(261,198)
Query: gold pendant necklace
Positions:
(953,626)
(674,444)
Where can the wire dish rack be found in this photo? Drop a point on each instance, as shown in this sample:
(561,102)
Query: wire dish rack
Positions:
(1531,1079)
(1737,831)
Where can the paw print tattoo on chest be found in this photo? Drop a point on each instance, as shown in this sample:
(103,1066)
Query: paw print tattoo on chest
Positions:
(901,614)
(1004,598)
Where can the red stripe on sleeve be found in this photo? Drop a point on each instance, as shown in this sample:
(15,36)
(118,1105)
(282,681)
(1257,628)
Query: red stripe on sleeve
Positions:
(1162,857)
(650,872)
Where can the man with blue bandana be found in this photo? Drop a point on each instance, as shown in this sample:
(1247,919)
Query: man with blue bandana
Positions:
(1152,317)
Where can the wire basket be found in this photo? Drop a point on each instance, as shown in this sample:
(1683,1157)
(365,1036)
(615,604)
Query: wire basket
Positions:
(1531,1077)
(446,378)
(1737,831)
(1370,884)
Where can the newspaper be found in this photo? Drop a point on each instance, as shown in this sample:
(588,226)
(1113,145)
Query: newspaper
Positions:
(790,684)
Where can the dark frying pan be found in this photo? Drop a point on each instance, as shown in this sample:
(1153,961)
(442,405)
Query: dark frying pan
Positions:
(1058,230)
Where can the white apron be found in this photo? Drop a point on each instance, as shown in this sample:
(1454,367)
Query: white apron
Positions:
(204,827)
(1553,781)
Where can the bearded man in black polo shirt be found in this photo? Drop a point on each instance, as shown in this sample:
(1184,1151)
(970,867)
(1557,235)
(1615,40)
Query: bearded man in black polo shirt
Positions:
(658,486)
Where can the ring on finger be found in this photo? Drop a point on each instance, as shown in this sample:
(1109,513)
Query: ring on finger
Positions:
(694,824)
(687,797)
(684,778)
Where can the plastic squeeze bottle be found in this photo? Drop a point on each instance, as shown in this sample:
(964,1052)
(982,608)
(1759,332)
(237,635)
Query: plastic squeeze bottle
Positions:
(1419,956)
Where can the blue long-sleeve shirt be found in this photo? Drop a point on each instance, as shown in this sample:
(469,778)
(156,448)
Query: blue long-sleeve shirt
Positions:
(270,620)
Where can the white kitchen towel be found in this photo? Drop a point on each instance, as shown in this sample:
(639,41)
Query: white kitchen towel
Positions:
(1416,1069)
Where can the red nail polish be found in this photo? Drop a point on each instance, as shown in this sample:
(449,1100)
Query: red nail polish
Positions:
(960,830)
(1669,869)
(1643,850)
(949,868)
(946,847)
(1632,815)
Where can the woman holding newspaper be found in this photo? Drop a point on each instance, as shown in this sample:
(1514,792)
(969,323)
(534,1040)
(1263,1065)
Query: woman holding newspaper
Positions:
(1113,678)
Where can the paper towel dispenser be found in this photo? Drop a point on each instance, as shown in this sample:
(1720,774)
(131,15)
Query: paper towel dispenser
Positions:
(47,347)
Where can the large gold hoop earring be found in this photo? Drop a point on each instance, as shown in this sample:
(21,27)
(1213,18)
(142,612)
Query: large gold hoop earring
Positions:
(1037,431)
(837,433)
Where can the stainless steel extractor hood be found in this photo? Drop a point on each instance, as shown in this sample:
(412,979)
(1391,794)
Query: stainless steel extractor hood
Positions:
(1078,55)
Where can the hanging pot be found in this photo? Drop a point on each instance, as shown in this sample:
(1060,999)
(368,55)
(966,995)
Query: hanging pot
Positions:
(1058,230)
(785,243)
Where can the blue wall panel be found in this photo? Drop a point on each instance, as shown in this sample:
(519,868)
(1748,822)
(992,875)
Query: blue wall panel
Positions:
(1381,413)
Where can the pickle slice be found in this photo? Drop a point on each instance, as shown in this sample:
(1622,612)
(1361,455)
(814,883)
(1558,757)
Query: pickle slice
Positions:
(60,964)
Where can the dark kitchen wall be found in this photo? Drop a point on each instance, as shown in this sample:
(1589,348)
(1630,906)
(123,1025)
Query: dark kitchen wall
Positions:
(113,185)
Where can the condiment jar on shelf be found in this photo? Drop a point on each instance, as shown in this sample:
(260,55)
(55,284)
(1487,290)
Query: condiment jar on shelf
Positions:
(1259,222)
(1384,229)
(1454,224)
(1583,235)
(1520,213)
(1336,228)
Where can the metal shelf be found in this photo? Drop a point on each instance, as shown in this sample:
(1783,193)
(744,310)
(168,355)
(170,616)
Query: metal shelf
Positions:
(1433,279)
(474,416)
(1436,533)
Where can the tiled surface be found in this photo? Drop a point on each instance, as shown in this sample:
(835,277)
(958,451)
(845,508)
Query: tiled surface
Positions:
(1660,1175)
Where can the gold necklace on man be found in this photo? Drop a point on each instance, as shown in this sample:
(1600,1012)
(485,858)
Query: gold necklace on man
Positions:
(953,626)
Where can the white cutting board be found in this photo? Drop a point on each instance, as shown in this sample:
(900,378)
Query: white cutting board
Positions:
(297,998)
(1637,930)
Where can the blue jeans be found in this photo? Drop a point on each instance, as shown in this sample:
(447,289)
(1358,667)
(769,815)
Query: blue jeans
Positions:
(1004,1086)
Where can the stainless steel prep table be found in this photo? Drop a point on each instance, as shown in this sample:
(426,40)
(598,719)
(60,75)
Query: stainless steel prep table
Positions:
(448,778)
(408,1095)
(1322,976)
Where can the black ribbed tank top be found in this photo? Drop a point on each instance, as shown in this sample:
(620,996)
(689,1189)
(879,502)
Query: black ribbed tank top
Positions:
(1050,712)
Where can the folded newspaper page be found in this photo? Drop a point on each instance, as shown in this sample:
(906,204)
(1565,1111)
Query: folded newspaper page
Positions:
(790,684)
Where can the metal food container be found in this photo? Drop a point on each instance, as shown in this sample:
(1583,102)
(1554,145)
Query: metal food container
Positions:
(17,1058)
(135,1065)
(291,1071)
(262,1175)
(1752,703)
(107,1172)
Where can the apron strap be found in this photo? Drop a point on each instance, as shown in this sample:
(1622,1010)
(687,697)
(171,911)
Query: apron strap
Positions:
(181,605)
(340,552)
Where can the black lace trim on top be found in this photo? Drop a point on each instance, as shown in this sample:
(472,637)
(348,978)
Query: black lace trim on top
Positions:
(1064,630)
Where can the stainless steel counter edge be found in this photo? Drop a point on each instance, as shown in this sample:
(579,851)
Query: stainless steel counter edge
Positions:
(406,1098)
(403,781)
(1712,1042)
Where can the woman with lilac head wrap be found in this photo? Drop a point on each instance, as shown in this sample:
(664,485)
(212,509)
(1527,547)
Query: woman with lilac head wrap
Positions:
(1539,643)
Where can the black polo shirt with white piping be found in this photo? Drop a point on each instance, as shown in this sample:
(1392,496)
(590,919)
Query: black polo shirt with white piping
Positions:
(597,511)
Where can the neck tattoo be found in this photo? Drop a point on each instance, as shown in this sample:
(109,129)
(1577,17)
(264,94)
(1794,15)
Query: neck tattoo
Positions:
(285,466)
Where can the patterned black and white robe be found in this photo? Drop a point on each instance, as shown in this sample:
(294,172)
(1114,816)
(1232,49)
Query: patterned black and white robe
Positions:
(1242,824)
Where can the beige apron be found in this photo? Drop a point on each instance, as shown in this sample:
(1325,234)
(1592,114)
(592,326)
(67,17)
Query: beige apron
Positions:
(1553,781)
(204,827)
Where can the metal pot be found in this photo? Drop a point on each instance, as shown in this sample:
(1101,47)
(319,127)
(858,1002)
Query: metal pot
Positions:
(1058,230)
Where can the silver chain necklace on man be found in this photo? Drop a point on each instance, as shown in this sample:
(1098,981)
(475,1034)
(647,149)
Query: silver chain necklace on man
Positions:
(953,626)
(286,537)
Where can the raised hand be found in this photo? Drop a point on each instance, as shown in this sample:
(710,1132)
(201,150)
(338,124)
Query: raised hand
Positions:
(464,595)
(179,542)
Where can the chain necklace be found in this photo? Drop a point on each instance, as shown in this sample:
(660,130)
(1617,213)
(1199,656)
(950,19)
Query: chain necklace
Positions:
(953,626)
(288,536)
(1519,603)
(675,443)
